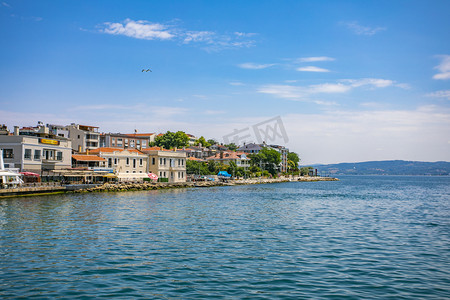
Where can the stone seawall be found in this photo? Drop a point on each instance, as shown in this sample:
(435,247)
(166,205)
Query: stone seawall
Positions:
(121,187)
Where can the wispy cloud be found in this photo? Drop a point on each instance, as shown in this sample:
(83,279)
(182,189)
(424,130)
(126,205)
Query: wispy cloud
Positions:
(440,94)
(443,68)
(5,4)
(139,30)
(146,30)
(362,30)
(236,83)
(314,59)
(312,69)
(254,66)
(293,92)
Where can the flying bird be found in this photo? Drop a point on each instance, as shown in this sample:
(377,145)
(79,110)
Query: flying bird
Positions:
(148,70)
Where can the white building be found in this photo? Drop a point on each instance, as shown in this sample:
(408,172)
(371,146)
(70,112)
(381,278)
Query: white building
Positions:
(36,154)
(83,137)
(168,164)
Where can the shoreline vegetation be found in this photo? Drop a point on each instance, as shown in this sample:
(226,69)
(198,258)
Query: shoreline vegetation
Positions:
(129,186)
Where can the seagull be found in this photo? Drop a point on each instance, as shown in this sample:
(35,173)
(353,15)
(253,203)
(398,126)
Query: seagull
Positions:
(148,70)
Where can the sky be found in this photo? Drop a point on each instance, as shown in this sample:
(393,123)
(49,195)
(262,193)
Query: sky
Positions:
(334,81)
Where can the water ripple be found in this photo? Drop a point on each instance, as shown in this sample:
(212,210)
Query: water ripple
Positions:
(361,237)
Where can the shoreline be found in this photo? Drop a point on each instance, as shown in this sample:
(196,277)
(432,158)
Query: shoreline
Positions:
(124,187)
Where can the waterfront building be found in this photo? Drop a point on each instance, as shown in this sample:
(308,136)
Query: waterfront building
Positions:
(133,140)
(253,148)
(37,154)
(122,160)
(170,165)
(225,157)
(83,137)
(91,162)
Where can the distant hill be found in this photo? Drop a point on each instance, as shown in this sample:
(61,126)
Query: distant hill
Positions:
(387,167)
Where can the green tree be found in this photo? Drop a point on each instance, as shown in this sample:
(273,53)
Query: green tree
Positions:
(305,170)
(292,156)
(232,168)
(212,141)
(202,141)
(170,140)
(213,167)
(196,167)
(231,146)
(268,159)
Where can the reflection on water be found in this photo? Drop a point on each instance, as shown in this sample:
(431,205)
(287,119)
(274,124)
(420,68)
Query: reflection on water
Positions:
(361,237)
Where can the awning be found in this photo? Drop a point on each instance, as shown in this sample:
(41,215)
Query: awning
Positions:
(8,173)
(29,174)
(132,175)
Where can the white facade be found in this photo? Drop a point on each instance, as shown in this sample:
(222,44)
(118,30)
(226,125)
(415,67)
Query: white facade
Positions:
(168,164)
(36,154)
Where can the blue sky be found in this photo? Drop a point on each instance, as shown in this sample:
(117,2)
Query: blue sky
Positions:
(350,80)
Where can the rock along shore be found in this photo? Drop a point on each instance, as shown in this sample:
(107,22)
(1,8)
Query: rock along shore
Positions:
(122,187)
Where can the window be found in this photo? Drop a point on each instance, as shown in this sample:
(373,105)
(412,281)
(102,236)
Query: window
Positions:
(160,161)
(109,162)
(79,137)
(119,142)
(37,154)
(128,161)
(153,160)
(27,154)
(134,163)
(115,161)
(8,153)
(164,161)
(141,161)
(59,155)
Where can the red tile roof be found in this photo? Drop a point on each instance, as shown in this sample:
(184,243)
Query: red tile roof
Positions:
(195,158)
(82,157)
(111,149)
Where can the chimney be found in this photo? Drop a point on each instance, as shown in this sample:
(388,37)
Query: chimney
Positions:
(16,130)
(87,151)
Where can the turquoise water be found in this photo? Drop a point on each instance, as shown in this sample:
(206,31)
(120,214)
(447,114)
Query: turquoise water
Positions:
(359,238)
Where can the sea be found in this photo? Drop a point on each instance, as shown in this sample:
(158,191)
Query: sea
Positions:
(363,237)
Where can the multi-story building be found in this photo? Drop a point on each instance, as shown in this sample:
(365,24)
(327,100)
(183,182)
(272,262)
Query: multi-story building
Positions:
(255,148)
(83,137)
(91,162)
(225,157)
(118,140)
(170,164)
(36,154)
(123,160)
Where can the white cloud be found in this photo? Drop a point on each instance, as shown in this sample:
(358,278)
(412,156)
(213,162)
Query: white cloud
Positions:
(342,86)
(351,136)
(146,30)
(236,83)
(312,69)
(6,4)
(254,66)
(440,94)
(139,30)
(315,58)
(363,30)
(199,36)
(443,67)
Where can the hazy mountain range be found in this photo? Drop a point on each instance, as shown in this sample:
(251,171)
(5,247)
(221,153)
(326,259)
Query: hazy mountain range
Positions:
(387,167)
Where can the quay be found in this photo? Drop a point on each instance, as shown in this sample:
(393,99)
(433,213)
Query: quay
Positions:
(142,186)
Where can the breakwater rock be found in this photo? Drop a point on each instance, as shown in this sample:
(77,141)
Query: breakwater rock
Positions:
(121,187)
